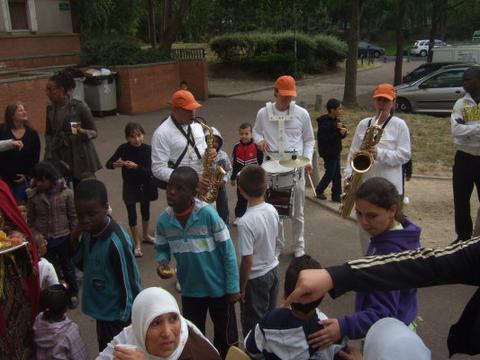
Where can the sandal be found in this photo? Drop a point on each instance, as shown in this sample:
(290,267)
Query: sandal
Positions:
(149,239)
(138,252)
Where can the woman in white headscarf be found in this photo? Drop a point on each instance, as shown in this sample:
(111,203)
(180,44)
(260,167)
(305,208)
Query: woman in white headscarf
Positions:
(390,339)
(158,331)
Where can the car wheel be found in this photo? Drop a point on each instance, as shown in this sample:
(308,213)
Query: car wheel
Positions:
(376,54)
(403,105)
(423,53)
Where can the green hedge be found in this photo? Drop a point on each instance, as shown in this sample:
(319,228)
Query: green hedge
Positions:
(275,52)
(118,51)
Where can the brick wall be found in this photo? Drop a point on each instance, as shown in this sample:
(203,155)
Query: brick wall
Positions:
(145,88)
(30,91)
(31,45)
(194,72)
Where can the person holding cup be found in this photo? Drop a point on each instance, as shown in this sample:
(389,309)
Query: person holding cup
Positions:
(159,331)
(70,128)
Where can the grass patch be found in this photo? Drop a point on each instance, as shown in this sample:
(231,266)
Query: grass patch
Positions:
(432,143)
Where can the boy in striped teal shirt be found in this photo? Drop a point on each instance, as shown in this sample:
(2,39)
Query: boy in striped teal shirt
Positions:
(207,268)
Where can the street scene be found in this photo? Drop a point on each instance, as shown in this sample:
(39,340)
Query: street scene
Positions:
(189,179)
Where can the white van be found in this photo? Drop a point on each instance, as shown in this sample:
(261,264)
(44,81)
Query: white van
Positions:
(461,53)
(420,47)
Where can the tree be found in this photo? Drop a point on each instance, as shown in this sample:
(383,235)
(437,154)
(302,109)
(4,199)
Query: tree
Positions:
(173,15)
(350,90)
(402,8)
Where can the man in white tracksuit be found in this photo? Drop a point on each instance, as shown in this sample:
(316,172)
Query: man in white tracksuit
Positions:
(284,127)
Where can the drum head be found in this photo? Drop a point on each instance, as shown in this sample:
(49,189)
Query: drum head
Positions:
(273,167)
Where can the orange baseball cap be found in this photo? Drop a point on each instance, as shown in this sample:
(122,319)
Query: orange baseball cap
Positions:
(184,99)
(286,86)
(386,91)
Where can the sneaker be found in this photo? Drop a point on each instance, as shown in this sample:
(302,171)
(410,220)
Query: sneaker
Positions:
(178,287)
(73,302)
(299,252)
(235,222)
(321,196)
(138,252)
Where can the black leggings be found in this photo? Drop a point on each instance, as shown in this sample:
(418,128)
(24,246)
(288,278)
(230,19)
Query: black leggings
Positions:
(132,212)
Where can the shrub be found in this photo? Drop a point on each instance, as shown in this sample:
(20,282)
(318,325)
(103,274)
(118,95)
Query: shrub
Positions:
(275,52)
(330,48)
(118,51)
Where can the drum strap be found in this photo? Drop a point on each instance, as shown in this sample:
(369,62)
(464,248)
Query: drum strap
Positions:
(281,123)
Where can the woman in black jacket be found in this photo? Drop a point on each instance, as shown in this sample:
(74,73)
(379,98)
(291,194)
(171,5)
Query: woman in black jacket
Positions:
(17,164)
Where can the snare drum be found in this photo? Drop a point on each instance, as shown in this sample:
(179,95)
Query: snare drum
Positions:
(278,176)
(282,201)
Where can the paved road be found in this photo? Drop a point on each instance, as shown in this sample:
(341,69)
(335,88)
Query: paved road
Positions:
(329,238)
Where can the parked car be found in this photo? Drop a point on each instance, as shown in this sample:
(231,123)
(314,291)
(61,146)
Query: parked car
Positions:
(364,48)
(434,93)
(424,70)
(476,36)
(420,47)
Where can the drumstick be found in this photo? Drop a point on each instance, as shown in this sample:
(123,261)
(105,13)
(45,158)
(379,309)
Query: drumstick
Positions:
(311,184)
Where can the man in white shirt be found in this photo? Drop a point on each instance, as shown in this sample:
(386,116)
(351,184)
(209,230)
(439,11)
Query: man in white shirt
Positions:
(178,141)
(465,121)
(286,127)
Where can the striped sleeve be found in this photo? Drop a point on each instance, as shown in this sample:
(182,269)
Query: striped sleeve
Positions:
(458,263)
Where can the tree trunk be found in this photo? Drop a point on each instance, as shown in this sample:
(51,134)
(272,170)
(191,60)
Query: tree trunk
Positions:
(433,29)
(172,22)
(152,28)
(402,7)
(350,91)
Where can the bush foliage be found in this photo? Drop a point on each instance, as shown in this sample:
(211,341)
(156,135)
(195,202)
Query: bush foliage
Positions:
(118,51)
(274,53)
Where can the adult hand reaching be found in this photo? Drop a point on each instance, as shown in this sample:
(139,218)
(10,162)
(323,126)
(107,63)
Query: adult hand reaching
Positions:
(311,285)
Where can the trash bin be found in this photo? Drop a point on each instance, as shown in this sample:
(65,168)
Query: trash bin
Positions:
(101,92)
(79,91)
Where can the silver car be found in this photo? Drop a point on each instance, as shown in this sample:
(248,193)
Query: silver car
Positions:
(434,93)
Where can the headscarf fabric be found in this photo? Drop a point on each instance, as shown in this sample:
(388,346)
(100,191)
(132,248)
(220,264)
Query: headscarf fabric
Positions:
(391,339)
(149,304)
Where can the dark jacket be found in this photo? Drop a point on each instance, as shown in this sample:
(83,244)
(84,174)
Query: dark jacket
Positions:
(137,185)
(372,306)
(454,264)
(77,151)
(329,138)
(19,162)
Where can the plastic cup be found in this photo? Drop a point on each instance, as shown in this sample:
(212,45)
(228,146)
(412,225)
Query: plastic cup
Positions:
(74,127)
(126,347)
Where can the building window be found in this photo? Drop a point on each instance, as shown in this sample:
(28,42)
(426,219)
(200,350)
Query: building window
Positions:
(18,10)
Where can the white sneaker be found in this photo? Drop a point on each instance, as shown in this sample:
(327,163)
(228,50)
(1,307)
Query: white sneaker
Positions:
(178,287)
(235,222)
(299,252)
(406,200)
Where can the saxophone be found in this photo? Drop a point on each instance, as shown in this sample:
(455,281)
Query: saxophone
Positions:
(213,173)
(361,162)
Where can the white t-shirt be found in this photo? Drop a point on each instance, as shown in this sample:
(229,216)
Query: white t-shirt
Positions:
(47,274)
(257,235)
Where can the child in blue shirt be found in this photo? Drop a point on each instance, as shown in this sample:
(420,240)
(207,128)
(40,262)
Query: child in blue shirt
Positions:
(207,270)
(105,253)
